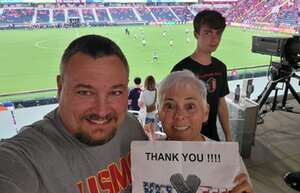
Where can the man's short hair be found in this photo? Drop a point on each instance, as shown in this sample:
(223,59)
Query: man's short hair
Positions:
(95,46)
(137,80)
(211,18)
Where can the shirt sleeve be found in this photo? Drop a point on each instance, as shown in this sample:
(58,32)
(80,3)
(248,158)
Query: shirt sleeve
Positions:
(16,173)
(141,98)
(7,185)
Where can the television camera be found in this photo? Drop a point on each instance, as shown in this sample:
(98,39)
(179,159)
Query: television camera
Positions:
(288,50)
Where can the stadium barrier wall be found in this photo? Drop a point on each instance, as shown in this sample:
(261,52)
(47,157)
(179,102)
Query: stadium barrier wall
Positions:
(12,120)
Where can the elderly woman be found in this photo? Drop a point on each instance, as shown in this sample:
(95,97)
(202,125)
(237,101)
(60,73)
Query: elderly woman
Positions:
(182,109)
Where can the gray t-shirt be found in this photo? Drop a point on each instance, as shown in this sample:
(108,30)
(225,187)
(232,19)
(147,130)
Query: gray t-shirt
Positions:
(45,158)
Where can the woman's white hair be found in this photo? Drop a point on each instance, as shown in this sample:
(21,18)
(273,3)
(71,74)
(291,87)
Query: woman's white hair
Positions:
(181,78)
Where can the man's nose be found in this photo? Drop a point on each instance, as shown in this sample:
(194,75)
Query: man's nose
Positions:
(101,105)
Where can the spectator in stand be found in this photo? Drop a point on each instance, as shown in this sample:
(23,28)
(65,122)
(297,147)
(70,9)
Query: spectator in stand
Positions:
(208,28)
(134,95)
(147,102)
(84,143)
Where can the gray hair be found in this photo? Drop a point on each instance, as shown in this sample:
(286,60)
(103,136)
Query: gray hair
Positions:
(95,46)
(181,78)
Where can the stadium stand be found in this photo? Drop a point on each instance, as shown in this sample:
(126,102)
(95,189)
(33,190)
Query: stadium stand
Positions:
(164,14)
(288,15)
(260,14)
(183,13)
(123,15)
(73,13)
(145,14)
(17,16)
(59,16)
(225,9)
(42,16)
(88,16)
(103,17)
(271,13)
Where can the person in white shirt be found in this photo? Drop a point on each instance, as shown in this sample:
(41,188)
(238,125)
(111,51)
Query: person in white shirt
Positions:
(147,102)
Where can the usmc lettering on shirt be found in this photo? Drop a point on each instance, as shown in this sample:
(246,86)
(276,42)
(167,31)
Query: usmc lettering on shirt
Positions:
(113,179)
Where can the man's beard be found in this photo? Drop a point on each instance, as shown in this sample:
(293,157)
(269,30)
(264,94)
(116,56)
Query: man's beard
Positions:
(86,139)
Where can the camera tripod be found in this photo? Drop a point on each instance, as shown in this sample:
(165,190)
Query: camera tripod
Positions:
(262,98)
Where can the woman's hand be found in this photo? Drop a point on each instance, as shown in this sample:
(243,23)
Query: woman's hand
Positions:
(141,104)
(242,184)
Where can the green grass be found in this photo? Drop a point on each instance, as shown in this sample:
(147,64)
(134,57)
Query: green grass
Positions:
(30,58)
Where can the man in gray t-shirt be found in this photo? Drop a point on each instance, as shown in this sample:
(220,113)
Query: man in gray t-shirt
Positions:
(83,145)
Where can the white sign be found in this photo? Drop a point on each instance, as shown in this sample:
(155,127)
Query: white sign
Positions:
(183,167)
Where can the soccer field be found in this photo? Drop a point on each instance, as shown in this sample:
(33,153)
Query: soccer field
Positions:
(30,58)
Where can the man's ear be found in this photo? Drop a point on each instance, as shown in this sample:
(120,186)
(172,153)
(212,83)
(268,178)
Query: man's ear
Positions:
(59,85)
(196,35)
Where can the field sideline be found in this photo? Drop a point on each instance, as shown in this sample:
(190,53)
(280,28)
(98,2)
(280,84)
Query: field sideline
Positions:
(29,58)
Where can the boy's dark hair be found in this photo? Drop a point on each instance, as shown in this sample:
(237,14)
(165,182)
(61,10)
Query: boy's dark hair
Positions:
(211,18)
(137,80)
(95,46)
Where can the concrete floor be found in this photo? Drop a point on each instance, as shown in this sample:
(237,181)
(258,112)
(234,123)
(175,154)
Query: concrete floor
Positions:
(276,151)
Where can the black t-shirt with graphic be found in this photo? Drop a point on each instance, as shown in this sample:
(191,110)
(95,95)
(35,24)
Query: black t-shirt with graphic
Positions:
(215,77)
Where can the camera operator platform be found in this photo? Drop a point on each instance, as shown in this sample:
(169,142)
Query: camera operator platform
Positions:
(288,49)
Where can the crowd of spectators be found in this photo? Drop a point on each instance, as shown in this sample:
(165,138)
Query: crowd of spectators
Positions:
(145,14)
(102,16)
(163,14)
(183,13)
(59,15)
(123,14)
(17,15)
(271,13)
(251,13)
(42,16)
(88,15)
